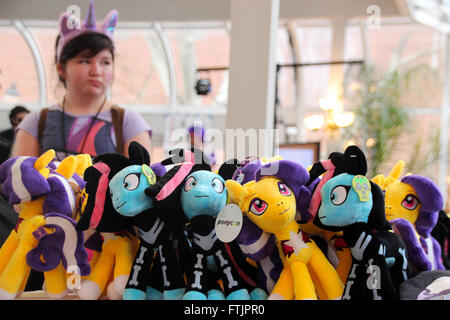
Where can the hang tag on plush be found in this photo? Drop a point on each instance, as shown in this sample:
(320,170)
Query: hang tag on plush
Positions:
(229,223)
(148,172)
(362,187)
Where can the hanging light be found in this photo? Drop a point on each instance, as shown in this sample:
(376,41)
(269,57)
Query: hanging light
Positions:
(344,119)
(314,122)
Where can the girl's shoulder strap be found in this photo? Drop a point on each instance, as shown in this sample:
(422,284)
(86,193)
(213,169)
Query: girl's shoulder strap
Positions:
(41,123)
(117,115)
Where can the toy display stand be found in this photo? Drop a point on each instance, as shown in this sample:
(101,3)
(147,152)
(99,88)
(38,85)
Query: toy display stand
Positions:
(41,295)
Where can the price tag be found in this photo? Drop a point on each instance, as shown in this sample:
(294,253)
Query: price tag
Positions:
(229,223)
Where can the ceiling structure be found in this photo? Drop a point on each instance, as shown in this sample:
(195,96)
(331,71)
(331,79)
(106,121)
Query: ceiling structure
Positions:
(196,10)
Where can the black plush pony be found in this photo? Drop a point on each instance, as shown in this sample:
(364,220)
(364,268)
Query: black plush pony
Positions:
(349,202)
(116,224)
(208,260)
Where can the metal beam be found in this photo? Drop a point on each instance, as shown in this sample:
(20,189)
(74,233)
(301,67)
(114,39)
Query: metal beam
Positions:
(37,57)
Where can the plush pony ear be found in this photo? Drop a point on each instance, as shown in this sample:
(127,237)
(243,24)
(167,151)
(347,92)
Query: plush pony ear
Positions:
(138,154)
(397,170)
(228,168)
(67,167)
(377,216)
(193,155)
(42,162)
(84,161)
(316,171)
(236,192)
(355,161)
(379,179)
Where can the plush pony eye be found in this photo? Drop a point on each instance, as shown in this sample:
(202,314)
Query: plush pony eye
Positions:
(339,194)
(410,202)
(217,185)
(131,181)
(189,184)
(258,206)
(284,189)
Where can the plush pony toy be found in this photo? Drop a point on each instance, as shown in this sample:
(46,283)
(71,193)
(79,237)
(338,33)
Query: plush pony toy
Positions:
(354,205)
(112,234)
(257,275)
(44,238)
(331,242)
(127,189)
(191,193)
(441,232)
(256,244)
(412,206)
(271,203)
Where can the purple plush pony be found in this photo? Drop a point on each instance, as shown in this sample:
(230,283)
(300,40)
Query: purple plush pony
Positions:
(25,179)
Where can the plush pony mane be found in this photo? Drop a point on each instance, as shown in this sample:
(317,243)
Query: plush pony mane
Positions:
(294,176)
(430,197)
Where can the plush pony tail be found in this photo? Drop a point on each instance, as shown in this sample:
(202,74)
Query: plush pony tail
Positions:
(65,245)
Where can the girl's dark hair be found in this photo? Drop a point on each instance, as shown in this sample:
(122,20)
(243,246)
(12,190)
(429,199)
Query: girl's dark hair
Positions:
(89,42)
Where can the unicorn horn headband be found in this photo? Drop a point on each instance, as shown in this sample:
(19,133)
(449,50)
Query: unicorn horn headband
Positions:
(71,27)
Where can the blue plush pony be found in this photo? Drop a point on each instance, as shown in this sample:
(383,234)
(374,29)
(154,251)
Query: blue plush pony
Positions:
(155,273)
(355,205)
(203,196)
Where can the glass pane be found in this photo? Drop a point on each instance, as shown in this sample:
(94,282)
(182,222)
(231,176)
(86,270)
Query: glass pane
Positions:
(412,46)
(353,47)
(195,48)
(286,76)
(17,69)
(142,83)
(315,46)
(45,38)
(141,71)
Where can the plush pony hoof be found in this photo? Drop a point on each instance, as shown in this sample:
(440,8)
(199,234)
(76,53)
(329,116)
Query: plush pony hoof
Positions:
(153,294)
(258,294)
(194,295)
(5,295)
(175,294)
(57,295)
(241,294)
(215,294)
(275,296)
(119,284)
(133,294)
(89,290)
(111,292)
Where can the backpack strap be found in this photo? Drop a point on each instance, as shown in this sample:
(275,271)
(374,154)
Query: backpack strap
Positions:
(41,123)
(117,114)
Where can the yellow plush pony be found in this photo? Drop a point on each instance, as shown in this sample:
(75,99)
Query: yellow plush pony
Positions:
(29,183)
(271,203)
(412,206)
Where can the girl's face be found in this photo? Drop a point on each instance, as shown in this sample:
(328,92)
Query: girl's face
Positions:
(89,76)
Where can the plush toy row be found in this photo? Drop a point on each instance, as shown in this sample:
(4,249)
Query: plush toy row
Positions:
(124,228)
